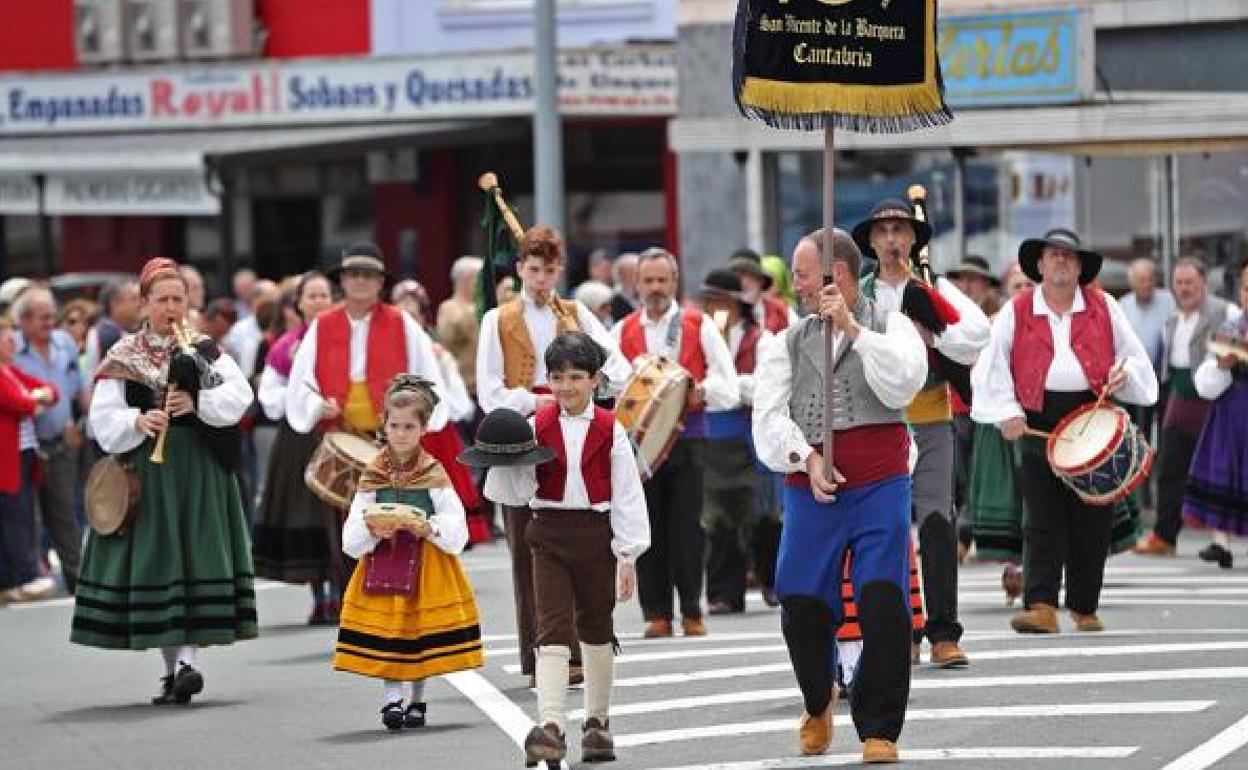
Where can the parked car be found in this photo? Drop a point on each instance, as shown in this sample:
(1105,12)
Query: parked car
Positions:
(70,286)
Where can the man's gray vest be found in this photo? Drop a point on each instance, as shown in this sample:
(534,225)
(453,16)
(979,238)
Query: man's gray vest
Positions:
(854,404)
(1212,314)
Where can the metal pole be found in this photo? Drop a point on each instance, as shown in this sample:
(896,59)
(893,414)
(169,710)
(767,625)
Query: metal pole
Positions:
(829,221)
(754,200)
(45,226)
(547,127)
(225,223)
(959,201)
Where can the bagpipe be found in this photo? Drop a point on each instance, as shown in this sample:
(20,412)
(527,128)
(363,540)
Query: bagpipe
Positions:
(922,303)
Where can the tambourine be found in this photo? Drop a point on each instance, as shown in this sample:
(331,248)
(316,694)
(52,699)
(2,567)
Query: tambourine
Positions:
(393,515)
(1228,344)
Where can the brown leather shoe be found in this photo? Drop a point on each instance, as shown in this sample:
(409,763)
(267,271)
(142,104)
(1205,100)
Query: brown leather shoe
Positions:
(877,751)
(692,627)
(1154,546)
(544,744)
(1039,619)
(656,629)
(949,655)
(814,734)
(576,675)
(597,745)
(1087,623)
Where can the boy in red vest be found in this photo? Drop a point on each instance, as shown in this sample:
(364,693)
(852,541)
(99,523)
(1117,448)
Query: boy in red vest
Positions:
(589,526)
(674,493)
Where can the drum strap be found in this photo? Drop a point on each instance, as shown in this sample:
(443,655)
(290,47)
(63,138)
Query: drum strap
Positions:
(672,341)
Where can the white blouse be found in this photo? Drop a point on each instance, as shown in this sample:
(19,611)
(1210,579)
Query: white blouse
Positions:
(450,530)
(894,363)
(272,393)
(112,419)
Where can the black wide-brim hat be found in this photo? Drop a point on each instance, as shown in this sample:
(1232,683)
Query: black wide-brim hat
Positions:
(974,266)
(504,437)
(891,208)
(743,265)
(1030,250)
(364,257)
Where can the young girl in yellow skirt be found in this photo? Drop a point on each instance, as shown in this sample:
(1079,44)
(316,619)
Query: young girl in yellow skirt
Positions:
(408,612)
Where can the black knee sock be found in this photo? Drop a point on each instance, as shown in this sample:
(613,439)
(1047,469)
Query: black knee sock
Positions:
(882,681)
(938,543)
(807,626)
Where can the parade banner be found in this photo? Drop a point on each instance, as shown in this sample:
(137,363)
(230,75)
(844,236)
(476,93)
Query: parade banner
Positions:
(863,65)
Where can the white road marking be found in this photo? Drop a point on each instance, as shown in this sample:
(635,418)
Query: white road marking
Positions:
(1032,653)
(1013,681)
(1211,751)
(646,657)
(509,717)
(975,712)
(930,755)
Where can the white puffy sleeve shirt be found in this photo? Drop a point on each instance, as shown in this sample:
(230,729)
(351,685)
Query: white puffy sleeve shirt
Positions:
(630,523)
(112,419)
(720,386)
(303,398)
(894,363)
(992,381)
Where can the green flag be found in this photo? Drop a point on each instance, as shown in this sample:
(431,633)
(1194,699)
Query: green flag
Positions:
(499,254)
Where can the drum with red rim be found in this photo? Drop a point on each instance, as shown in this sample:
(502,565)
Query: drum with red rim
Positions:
(1099,453)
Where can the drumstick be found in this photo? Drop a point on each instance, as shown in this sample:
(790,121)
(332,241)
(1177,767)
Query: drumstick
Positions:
(1117,367)
(1045,434)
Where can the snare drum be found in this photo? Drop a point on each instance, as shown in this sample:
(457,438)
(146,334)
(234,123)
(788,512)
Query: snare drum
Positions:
(651,409)
(1099,453)
(336,465)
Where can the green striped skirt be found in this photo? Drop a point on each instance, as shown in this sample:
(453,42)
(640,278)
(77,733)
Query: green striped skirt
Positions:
(994,497)
(181,572)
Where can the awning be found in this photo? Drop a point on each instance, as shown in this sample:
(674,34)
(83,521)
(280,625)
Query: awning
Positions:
(167,172)
(189,150)
(1134,123)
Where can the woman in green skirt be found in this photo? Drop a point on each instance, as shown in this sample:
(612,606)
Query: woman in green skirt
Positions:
(178,576)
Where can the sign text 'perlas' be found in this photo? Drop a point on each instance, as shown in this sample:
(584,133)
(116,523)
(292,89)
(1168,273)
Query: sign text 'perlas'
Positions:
(864,65)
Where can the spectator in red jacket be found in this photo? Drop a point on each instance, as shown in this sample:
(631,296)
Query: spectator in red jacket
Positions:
(21,398)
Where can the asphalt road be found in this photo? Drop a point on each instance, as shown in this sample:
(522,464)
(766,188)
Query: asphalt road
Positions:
(1164,687)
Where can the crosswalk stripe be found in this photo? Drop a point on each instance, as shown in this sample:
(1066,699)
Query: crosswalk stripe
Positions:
(1180,593)
(1210,752)
(1177,602)
(997,753)
(922,715)
(958,683)
(1111,582)
(1032,653)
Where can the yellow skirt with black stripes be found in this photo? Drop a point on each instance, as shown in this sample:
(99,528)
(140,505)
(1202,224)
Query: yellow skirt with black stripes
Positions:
(407,638)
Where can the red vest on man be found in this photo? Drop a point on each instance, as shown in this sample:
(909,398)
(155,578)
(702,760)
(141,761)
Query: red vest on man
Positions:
(552,476)
(386,353)
(1091,340)
(692,358)
(775,314)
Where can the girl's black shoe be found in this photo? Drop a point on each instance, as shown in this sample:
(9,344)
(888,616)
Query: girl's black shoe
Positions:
(414,716)
(186,683)
(1214,552)
(166,692)
(392,715)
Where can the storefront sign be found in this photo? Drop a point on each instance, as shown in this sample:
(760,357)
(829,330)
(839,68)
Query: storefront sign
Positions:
(172,193)
(634,80)
(1017,58)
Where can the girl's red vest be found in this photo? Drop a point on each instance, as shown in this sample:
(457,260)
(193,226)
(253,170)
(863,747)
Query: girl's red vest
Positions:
(1091,339)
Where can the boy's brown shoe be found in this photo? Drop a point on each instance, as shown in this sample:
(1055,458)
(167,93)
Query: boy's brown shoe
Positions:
(597,745)
(692,627)
(877,751)
(544,743)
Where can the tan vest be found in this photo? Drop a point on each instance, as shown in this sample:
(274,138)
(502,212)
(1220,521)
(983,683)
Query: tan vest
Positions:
(519,357)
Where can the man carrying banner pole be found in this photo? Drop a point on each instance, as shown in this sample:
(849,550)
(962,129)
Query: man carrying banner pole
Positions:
(867,66)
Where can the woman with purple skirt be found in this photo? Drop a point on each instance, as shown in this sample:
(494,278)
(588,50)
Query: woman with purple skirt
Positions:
(1217,483)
